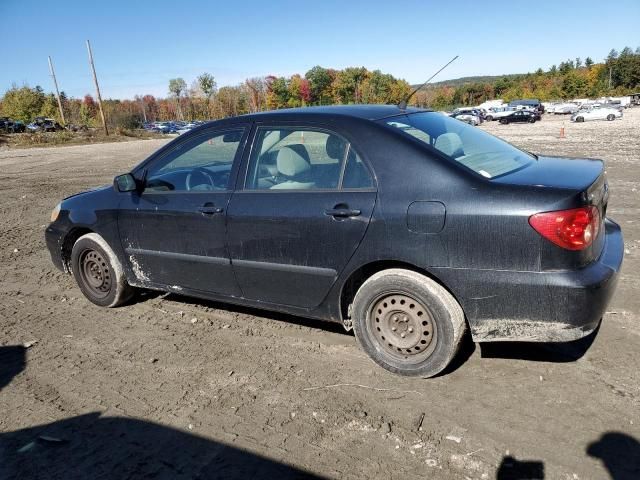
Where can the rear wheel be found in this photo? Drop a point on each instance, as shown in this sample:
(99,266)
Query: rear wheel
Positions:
(611,117)
(98,272)
(407,323)
(504,121)
(580,119)
(488,118)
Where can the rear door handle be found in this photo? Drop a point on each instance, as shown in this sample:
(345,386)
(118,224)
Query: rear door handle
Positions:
(342,212)
(210,210)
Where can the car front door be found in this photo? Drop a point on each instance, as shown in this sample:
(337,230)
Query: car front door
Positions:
(174,231)
(300,214)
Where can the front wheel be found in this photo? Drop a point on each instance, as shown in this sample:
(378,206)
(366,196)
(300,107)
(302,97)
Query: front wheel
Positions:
(407,323)
(98,272)
(580,119)
(503,121)
(611,117)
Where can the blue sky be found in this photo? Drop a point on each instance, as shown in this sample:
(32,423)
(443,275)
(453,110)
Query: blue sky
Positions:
(139,45)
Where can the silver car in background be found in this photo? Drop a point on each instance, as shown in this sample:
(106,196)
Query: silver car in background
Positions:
(596,113)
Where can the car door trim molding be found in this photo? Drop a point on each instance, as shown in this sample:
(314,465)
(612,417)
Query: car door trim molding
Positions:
(284,267)
(179,256)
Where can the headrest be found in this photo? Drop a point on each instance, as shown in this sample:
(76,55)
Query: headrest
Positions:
(450,144)
(290,163)
(335,147)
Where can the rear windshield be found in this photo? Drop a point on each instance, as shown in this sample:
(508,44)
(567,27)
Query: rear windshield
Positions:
(477,150)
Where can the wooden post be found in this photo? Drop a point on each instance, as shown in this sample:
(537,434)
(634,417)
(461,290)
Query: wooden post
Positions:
(55,82)
(95,79)
(144,112)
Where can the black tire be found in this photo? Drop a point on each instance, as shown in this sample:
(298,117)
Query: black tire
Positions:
(488,118)
(503,121)
(580,119)
(98,272)
(424,324)
(611,117)
(532,120)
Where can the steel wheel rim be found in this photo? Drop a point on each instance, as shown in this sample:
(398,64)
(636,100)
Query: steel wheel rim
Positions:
(95,273)
(402,327)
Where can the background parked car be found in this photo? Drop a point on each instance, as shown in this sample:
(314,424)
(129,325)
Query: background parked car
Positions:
(43,124)
(467,117)
(520,116)
(596,113)
(9,125)
(565,108)
(499,112)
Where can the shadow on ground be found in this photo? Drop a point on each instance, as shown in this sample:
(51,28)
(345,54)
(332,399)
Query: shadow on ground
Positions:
(94,446)
(539,352)
(620,454)
(13,360)
(327,326)
(512,469)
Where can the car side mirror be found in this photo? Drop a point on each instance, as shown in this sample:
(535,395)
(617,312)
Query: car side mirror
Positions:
(125,183)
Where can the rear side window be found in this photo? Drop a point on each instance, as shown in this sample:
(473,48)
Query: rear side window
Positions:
(356,174)
(304,159)
(477,150)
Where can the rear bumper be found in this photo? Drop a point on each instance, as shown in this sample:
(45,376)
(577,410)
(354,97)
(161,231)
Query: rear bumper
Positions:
(540,306)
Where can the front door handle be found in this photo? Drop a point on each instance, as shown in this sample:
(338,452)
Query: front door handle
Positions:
(210,210)
(342,212)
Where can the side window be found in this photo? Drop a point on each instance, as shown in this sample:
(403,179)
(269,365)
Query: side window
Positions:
(296,159)
(202,163)
(356,174)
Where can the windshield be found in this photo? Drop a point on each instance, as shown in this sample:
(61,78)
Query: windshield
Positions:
(477,150)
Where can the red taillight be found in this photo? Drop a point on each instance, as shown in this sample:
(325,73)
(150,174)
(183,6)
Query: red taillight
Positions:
(573,229)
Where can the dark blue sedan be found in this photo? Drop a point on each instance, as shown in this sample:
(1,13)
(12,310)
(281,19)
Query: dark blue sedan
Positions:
(410,227)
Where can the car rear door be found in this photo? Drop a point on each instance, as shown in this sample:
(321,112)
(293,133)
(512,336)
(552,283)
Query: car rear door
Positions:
(299,215)
(174,231)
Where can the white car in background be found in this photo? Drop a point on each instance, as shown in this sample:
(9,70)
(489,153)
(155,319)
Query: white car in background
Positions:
(467,117)
(566,108)
(596,113)
(498,112)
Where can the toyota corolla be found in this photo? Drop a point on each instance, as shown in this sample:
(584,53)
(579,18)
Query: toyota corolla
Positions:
(404,225)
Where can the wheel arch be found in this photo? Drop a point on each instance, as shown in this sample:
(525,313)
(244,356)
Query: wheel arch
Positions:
(351,285)
(67,244)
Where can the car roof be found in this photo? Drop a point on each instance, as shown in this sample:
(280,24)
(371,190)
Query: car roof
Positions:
(367,112)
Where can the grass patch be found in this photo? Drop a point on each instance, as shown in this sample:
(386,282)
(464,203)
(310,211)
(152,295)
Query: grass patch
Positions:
(65,137)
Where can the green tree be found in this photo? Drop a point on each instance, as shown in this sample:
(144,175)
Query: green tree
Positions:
(588,62)
(23,103)
(208,85)
(320,84)
(176,87)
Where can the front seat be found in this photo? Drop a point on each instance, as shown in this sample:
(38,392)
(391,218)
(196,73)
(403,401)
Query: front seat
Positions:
(294,168)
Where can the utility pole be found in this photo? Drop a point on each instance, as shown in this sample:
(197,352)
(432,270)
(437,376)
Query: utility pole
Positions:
(55,82)
(95,79)
(144,112)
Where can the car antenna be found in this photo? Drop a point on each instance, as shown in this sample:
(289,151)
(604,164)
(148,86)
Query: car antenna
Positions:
(403,104)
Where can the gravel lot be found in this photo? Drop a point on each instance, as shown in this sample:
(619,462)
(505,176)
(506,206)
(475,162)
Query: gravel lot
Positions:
(171,387)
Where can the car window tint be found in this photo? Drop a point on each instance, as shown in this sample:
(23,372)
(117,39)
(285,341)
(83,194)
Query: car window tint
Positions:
(356,174)
(477,150)
(296,159)
(199,164)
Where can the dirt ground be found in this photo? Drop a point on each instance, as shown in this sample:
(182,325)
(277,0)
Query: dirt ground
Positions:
(171,387)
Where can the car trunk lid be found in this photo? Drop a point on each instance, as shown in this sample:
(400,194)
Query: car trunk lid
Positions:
(579,182)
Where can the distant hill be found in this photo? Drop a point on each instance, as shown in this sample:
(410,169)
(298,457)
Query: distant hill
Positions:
(456,82)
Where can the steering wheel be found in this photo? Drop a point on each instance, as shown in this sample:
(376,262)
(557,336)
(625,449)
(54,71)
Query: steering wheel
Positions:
(199,173)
